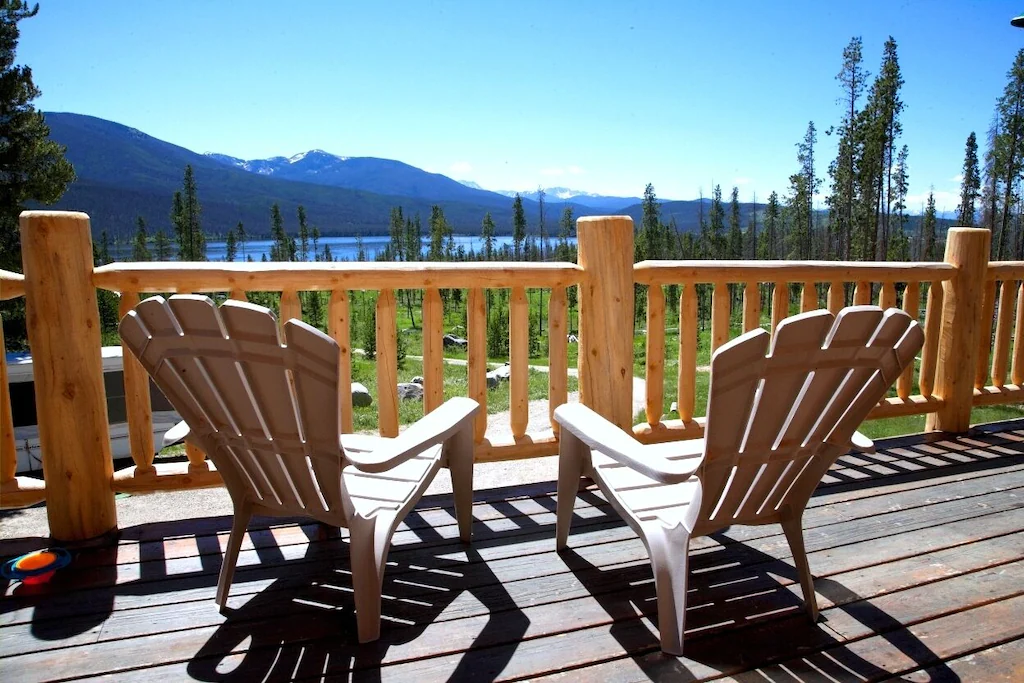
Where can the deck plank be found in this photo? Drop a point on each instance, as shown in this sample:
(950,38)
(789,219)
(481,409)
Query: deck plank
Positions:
(918,553)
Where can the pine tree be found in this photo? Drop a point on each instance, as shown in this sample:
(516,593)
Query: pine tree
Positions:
(32,166)
(413,239)
(650,244)
(853,78)
(283,248)
(396,232)
(161,246)
(928,250)
(440,231)
(1010,145)
(541,228)
(735,233)
(240,239)
(772,228)
(140,252)
(990,191)
(970,187)
(518,226)
(565,229)
(303,252)
(487,235)
(899,244)
(751,238)
(185,211)
(714,240)
(230,247)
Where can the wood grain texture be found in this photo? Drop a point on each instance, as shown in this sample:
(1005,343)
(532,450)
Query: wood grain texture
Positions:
(780,304)
(655,361)
(433,350)
(137,403)
(966,249)
(477,323)
(606,316)
(808,297)
(706,272)
(1017,369)
(519,360)
(912,307)
(64,334)
(720,313)
(12,285)
(985,324)
(387,364)
(932,331)
(291,307)
(1004,325)
(8,461)
(751,306)
(338,327)
(558,354)
(836,296)
(887,295)
(687,379)
(156,276)
(862,293)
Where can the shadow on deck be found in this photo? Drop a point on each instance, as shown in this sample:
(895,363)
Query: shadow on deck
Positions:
(917,553)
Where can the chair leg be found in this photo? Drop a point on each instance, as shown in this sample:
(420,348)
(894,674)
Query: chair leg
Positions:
(367,562)
(793,527)
(227,568)
(570,469)
(669,550)
(460,464)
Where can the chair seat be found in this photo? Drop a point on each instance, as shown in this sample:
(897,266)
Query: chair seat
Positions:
(373,492)
(644,498)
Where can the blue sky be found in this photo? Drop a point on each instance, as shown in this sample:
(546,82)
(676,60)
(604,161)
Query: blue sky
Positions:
(598,96)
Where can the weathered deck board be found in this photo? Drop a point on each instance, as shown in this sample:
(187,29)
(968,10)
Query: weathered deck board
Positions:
(918,553)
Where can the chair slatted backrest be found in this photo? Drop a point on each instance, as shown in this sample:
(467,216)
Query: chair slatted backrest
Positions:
(265,413)
(777,422)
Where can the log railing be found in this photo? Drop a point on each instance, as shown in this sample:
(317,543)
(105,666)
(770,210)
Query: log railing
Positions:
(15,491)
(60,283)
(823,284)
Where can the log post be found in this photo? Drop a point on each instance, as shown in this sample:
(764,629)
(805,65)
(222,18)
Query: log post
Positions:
(64,335)
(961,326)
(606,316)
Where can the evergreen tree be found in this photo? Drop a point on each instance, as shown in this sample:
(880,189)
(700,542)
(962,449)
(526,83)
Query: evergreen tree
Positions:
(413,239)
(990,191)
(735,233)
(32,166)
(852,77)
(440,233)
(899,243)
(751,238)
(315,234)
(303,252)
(928,250)
(185,211)
(882,127)
(970,187)
(283,248)
(541,228)
(161,246)
(140,252)
(240,238)
(487,235)
(565,228)
(772,228)
(518,226)
(230,247)
(396,232)
(649,243)
(714,240)
(1009,154)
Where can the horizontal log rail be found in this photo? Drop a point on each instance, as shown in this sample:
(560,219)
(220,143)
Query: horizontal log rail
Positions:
(710,272)
(12,285)
(160,277)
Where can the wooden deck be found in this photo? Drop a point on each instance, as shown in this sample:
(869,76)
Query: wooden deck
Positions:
(918,553)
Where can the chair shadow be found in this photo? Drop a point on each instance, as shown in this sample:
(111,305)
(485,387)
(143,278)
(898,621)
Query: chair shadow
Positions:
(306,628)
(738,611)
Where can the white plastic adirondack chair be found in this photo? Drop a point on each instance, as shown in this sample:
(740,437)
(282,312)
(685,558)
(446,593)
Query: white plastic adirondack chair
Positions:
(775,424)
(267,416)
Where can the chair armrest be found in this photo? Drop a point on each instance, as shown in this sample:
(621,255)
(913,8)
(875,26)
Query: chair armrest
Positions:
(435,428)
(601,435)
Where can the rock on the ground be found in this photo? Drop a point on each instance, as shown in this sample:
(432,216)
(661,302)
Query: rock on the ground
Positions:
(417,380)
(360,395)
(498,375)
(409,391)
(450,340)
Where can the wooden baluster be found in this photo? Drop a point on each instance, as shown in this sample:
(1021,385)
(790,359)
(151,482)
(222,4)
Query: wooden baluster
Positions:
(808,297)
(1017,369)
(387,364)
(558,354)
(8,459)
(137,404)
(981,366)
(932,325)
(338,328)
(911,304)
(751,306)
(238,295)
(433,351)
(780,304)
(836,297)
(196,458)
(687,351)
(655,399)
(290,306)
(1007,304)
(862,294)
(477,331)
(519,355)
(887,297)
(719,315)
